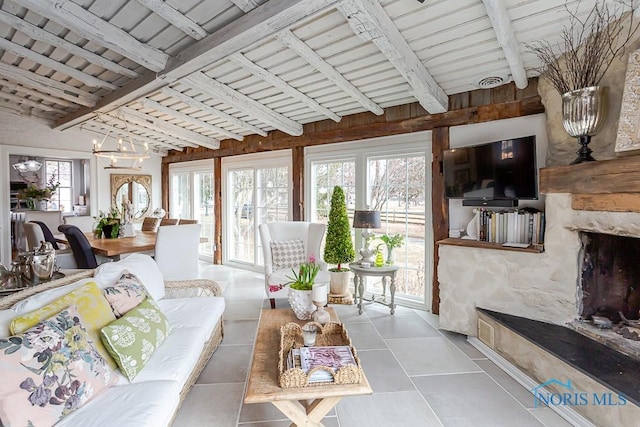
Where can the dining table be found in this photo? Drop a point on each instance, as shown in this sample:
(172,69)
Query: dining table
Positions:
(143,241)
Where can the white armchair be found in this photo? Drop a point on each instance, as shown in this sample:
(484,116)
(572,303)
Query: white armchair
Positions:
(277,271)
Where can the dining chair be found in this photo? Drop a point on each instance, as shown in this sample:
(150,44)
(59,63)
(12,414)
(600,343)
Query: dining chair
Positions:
(86,224)
(150,224)
(176,251)
(187,221)
(48,235)
(169,221)
(82,251)
(35,237)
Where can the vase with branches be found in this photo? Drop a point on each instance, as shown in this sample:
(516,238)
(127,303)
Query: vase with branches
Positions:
(576,64)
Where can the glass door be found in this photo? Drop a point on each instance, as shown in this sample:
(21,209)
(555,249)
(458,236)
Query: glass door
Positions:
(203,210)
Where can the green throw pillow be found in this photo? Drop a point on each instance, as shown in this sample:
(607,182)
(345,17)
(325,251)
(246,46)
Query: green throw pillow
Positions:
(132,339)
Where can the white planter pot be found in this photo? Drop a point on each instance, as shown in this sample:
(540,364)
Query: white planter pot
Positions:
(301,303)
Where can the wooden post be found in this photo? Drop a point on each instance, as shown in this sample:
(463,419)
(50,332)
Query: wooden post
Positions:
(217,209)
(164,170)
(439,206)
(297,172)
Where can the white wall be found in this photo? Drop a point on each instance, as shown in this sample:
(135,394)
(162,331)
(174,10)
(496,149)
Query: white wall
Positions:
(24,136)
(462,136)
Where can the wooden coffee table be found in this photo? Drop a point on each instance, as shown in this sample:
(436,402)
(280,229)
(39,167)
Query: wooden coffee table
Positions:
(305,406)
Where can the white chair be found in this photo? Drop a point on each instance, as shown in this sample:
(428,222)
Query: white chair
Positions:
(176,251)
(35,236)
(276,276)
(84,223)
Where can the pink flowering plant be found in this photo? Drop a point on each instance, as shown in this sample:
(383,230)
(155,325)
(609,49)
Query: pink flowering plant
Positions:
(304,278)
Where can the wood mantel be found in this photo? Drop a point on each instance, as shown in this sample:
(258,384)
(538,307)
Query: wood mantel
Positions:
(606,185)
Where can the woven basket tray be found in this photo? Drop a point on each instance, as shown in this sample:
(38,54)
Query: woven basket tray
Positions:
(331,334)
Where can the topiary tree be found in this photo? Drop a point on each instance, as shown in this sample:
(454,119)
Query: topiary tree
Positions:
(338,247)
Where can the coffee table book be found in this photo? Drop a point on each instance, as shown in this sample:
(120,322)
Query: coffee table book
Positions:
(331,334)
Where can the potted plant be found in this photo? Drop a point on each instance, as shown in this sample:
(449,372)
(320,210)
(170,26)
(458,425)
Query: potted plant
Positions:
(392,242)
(36,197)
(300,289)
(108,224)
(338,247)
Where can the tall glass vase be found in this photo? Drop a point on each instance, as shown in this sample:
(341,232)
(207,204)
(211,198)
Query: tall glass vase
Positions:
(584,111)
(390,256)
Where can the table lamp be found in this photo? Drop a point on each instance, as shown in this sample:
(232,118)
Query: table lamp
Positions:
(319,297)
(366,220)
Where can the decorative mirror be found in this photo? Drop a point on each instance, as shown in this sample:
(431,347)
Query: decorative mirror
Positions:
(136,189)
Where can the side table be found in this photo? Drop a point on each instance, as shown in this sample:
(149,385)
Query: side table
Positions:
(386,272)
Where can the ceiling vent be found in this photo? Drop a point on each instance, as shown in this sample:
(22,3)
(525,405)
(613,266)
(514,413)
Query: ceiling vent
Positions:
(489,82)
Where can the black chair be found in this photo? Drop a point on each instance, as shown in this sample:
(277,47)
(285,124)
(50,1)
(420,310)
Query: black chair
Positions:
(48,235)
(82,251)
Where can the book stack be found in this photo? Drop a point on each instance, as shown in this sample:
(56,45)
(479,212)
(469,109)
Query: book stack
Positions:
(518,226)
(307,358)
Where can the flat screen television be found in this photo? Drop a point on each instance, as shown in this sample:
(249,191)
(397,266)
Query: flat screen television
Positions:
(501,170)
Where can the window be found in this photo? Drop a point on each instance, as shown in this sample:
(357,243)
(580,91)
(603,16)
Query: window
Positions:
(60,171)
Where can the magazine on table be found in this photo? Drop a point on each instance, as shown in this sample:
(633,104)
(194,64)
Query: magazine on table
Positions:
(307,358)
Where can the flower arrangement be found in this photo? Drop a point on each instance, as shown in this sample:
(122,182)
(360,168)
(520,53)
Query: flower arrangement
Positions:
(303,280)
(394,241)
(108,221)
(36,192)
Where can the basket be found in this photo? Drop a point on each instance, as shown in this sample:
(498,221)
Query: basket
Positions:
(331,334)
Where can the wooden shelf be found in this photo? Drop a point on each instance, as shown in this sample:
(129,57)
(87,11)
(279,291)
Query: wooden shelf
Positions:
(487,245)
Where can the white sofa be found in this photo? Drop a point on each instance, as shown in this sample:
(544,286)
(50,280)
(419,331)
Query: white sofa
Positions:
(194,309)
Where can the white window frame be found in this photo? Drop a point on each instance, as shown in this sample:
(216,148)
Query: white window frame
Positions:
(362,151)
(69,209)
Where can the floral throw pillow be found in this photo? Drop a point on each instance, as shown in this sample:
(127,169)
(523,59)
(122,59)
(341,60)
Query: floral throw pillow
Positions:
(125,294)
(49,371)
(287,253)
(132,339)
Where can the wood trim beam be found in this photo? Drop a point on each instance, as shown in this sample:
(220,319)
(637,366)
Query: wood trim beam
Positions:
(287,38)
(247,5)
(370,22)
(164,180)
(439,206)
(243,103)
(217,209)
(297,174)
(154,105)
(601,177)
(169,129)
(373,127)
(277,82)
(93,28)
(616,202)
(47,85)
(502,26)
(175,18)
(42,35)
(21,51)
(191,102)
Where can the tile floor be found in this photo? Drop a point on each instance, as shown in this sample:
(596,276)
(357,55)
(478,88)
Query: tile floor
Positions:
(420,376)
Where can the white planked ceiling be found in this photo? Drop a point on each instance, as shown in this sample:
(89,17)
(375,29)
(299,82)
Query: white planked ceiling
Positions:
(185,73)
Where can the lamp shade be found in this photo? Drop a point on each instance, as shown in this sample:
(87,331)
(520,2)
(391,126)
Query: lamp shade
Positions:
(366,219)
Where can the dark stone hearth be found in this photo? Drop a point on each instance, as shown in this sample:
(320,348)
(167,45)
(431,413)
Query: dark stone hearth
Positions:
(614,370)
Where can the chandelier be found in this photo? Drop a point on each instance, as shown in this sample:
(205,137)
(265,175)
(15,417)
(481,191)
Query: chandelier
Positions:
(123,150)
(29,165)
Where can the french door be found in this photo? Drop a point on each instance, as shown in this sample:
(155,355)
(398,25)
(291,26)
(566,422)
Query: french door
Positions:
(257,190)
(191,197)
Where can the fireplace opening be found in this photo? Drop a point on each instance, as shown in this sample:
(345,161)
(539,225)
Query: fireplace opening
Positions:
(610,277)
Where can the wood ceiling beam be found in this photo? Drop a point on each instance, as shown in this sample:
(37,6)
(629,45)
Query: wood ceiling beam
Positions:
(40,34)
(94,28)
(30,103)
(36,94)
(175,18)
(242,33)
(149,103)
(247,5)
(243,103)
(502,26)
(101,129)
(47,85)
(287,38)
(370,22)
(21,51)
(125,128)
(191,102)
(278,83)
(169,129)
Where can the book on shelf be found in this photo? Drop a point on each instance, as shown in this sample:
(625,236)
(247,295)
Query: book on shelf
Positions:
(515,226)
(307,358)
